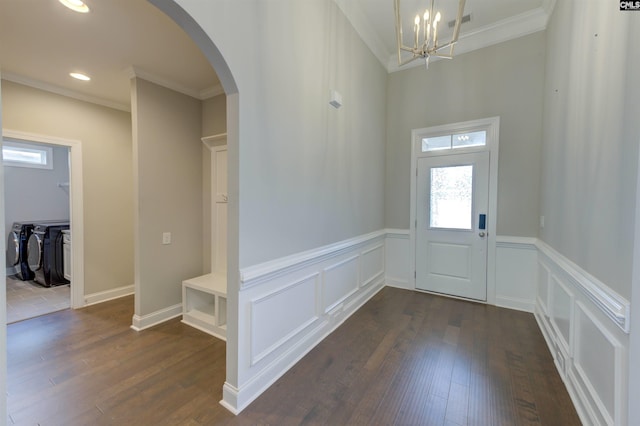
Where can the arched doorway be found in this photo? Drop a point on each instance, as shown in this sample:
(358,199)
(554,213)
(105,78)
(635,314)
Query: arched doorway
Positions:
(219,64)
(232,106)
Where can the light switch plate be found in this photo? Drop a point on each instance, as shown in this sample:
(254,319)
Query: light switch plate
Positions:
(166,238)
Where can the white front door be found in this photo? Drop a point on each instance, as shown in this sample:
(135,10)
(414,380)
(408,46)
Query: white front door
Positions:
(451,230)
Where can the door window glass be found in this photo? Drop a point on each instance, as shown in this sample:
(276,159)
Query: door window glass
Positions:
(450,204)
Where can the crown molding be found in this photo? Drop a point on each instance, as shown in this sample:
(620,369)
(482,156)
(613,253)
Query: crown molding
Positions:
(504,30)
(37,84)
(211,92)
(154,78)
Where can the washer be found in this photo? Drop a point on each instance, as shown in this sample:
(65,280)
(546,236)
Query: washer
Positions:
(17,249)
(45,253)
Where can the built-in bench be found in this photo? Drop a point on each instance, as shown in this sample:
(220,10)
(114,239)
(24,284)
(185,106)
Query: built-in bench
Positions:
(204,303)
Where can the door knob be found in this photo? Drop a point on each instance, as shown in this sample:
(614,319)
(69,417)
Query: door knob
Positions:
(482,234)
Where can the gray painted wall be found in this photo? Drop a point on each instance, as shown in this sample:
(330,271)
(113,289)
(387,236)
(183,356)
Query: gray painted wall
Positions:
(34,194)
(214,115)
(503,80)
(310,175)
(105,135)
(168,193)
(591,128)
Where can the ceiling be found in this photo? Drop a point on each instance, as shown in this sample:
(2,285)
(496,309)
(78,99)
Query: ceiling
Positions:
(42,42)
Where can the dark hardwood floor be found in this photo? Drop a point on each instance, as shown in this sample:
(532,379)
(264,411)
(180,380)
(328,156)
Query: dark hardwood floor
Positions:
(405,358)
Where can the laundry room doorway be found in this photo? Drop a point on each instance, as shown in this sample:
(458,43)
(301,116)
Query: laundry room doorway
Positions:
(43,222)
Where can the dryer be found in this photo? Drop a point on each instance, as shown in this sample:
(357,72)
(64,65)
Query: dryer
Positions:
(45,253)
(17,249)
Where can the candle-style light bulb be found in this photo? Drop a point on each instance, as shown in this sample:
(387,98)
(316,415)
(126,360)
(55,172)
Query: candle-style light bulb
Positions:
(425,29)
(435,28)
(416,30)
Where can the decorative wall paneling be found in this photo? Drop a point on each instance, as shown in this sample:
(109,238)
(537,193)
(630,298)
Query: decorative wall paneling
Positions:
(585,324)
(288,305)
(397,261)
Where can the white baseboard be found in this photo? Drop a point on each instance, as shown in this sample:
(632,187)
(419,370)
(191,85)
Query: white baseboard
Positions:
(398,283)
(103,296)
(140,323)
(230,398)
(525,305)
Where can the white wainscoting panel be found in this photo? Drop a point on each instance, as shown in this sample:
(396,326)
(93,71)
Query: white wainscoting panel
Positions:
(598,362)
(339,281)
(516,268)
(397,259)
(583,322)
(272,326)
(561,313)
(372,264)
(287,306)
(542,298)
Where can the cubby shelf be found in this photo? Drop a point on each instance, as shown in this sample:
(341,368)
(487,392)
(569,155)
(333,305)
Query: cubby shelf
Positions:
(204,304)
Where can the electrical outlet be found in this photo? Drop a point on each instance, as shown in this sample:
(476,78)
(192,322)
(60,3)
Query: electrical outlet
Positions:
(166,238)
(541,221)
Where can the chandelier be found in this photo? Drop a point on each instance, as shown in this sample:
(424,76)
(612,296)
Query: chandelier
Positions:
(425,35)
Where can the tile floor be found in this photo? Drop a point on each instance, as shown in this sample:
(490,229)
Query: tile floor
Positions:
(27,299)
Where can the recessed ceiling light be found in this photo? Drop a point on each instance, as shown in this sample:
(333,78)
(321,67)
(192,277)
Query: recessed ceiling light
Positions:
(80,76)
(76,5)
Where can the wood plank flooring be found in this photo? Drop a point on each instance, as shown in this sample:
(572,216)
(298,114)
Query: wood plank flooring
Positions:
(405,358)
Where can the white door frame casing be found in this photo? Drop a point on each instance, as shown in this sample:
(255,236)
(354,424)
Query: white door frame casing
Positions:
(215,144)
(492,127)
(76,210)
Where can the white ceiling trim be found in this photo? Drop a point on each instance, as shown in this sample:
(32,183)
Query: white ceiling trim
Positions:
(507,29)
(37,84)
(211,92)
(153,78)
(364,29)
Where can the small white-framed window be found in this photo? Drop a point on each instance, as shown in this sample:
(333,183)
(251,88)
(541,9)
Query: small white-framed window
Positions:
(455,141)
(21,154)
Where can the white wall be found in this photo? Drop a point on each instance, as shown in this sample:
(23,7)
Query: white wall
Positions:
(591,127)
(34,194)
(502,80)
